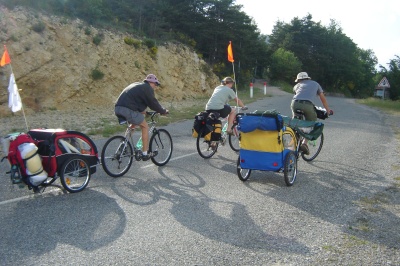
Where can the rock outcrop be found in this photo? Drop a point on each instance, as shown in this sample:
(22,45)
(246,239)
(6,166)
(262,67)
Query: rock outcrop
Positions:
(53,65)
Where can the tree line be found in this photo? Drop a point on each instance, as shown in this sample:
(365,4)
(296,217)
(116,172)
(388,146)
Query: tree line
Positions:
(325,52)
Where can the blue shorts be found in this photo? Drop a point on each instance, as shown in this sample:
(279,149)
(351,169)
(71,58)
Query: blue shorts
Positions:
(133,117)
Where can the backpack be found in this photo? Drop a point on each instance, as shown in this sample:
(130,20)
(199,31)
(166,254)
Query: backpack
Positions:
(23,153)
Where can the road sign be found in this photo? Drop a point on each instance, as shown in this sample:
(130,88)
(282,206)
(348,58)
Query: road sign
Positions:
(384,83)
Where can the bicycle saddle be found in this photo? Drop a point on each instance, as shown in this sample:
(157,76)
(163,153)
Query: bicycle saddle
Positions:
(121,119)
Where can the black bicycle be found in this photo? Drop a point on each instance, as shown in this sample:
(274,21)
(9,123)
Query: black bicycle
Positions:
(118,152)
(314,146)
(207,148)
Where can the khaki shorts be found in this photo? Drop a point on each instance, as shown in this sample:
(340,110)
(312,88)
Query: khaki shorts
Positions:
(306,107)
(133,117)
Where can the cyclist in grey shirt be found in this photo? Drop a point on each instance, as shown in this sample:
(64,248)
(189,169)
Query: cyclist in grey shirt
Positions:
(306,91)
(219,101)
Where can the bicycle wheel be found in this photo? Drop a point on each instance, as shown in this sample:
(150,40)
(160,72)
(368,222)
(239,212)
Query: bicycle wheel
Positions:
(290,168)
(204,147)
(243,174)
(75,174)
(161,145)
(234,139)
(315,147)
(117,156)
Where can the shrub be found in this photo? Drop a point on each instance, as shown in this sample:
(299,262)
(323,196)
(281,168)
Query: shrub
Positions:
(88,31)
(149,43)
(39,27)
(133,42)
(153,52)
(96,74)
(97,39)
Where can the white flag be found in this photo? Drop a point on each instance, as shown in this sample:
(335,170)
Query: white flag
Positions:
(14,100)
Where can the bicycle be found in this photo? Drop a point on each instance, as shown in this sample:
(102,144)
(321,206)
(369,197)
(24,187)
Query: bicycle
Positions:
(314,146)
(117,154)
(207,148)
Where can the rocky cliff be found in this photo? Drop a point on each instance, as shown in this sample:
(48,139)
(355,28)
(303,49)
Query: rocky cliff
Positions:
(53,65)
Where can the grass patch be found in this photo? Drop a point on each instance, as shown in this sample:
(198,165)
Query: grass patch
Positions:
(183,112)
(384,105)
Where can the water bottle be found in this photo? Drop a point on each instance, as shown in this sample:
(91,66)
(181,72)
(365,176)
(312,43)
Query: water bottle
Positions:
(223,136)
(15,175)
(139,144)
(225,127)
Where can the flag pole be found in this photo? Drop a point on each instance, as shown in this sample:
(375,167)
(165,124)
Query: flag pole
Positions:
(5,59)
(230,59)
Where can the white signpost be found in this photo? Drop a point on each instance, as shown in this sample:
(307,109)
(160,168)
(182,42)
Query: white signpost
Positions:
(384,83)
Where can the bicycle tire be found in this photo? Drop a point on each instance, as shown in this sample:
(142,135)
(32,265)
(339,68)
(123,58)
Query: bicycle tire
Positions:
(75,174)
(314,147)
(234,140)
(161,143)
(243,174)
(290,168)
(204,147)
(112,162)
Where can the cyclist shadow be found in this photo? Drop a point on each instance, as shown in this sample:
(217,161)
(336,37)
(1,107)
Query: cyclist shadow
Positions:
(212,218)
(61,219)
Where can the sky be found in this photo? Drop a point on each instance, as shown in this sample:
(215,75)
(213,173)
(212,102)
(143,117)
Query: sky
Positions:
(370,24)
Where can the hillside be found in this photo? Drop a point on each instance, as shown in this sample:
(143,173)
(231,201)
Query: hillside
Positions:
(53,67)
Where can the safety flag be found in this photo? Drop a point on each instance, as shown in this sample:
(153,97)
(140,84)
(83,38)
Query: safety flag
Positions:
(14,99)
(5,59)
(230,53)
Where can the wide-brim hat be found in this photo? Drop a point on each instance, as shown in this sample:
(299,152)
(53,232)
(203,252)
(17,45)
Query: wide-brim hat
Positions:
(152,78)
(302,75)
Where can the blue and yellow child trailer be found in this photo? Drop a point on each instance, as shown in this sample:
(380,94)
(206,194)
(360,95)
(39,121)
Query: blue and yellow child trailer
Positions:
(266,145)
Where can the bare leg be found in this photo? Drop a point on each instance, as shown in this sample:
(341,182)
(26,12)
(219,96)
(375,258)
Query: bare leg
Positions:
(231,118)
(145,135)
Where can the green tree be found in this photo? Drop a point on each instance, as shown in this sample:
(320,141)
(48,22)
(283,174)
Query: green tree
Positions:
(283,65)
(393,76)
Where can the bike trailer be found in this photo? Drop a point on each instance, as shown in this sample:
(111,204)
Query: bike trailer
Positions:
(55,146)
(262,141)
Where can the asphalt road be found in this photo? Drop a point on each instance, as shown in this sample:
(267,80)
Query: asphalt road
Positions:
(344,208)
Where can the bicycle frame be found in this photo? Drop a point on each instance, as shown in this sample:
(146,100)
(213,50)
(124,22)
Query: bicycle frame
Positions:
(316,144)
(117,154)
(137,147)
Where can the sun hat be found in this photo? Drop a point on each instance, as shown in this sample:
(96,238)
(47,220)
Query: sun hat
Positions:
(152,78)
(228,79)
(302,75)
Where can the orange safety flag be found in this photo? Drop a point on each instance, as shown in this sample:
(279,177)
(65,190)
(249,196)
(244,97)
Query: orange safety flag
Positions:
(230,54)
(5,59)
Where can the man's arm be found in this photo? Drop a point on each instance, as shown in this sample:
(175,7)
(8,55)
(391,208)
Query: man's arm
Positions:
(324,102)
